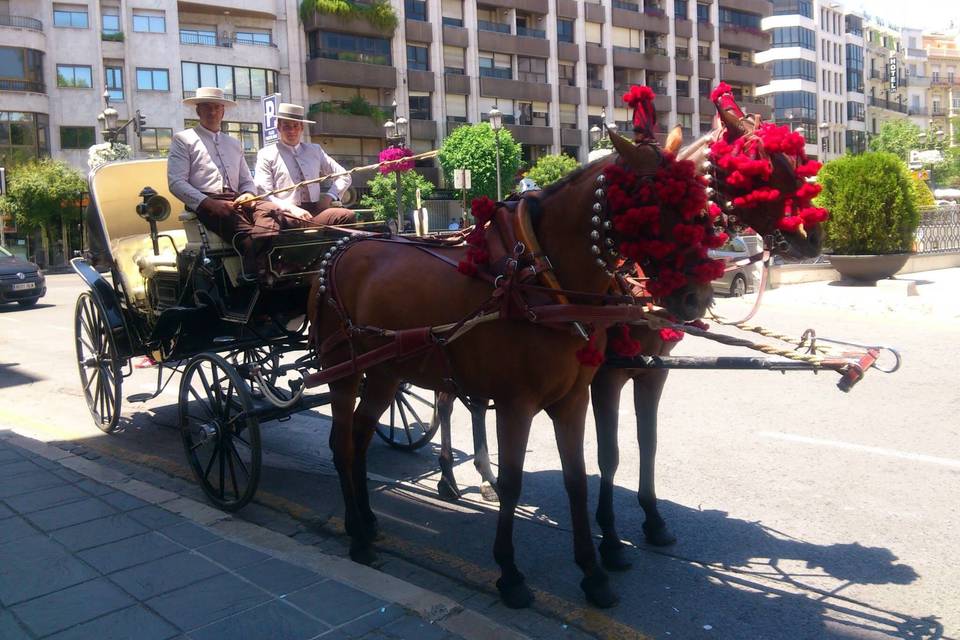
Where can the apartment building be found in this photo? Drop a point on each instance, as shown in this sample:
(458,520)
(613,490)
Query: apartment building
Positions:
(817,66)
(552,67)
(885,79)
(943,61)
(917,77)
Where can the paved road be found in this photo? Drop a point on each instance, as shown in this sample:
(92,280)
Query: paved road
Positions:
(801,511)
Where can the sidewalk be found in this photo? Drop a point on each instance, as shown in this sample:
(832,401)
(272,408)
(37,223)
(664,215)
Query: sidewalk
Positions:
(86,552)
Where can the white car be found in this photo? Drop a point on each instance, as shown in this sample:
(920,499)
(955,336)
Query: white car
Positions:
(742,279)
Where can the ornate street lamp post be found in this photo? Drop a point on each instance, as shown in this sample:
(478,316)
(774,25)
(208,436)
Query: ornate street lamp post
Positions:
(395,132)
(496,122)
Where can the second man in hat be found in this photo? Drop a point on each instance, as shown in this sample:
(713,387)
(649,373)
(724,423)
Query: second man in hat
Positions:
(291,161)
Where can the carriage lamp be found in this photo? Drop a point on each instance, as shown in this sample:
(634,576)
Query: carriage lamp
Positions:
(595,134)
(496,123)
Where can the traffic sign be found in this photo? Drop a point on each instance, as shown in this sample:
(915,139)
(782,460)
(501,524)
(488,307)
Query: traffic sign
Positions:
(270,133)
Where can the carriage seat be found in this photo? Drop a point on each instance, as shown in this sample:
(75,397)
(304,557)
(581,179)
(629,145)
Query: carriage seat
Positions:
(214,244)
(136,262)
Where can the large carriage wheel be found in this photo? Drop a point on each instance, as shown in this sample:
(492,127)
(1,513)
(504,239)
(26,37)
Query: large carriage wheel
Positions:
(403,425)
(98,361)
(220,437)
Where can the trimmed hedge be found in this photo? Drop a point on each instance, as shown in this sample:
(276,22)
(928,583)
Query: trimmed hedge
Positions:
(380,13)
(872,204)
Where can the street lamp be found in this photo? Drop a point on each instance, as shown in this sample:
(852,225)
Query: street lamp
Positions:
(496,122)
(395,132)
(595,134)
(824,138)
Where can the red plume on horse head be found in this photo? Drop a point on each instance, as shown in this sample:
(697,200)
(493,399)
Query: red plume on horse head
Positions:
(644,114)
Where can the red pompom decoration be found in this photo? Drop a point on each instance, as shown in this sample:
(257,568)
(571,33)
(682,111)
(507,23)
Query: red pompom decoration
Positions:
(670,334)
(624,344)
(589,355)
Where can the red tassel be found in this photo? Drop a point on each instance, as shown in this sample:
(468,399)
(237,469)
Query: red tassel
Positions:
(589,355)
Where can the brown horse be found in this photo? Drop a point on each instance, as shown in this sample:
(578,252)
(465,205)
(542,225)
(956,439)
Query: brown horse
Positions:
(524,368)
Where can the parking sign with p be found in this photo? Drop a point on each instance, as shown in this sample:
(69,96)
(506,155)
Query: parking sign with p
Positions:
(270,134)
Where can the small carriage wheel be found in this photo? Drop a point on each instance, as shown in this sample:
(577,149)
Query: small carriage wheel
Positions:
(220,437)
(98,362)
(403,426)
(266,358)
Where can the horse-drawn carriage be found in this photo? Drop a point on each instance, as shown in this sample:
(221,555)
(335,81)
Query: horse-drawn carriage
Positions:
(164,288)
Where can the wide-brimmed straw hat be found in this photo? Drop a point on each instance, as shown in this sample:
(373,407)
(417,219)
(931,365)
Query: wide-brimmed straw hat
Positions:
(288,111)
(209,94)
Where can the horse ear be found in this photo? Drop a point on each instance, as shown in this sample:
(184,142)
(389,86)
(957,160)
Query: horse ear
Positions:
(674,140)
(627,150)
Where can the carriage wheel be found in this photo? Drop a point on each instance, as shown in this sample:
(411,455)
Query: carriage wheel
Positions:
(220,437)
(403,426)
(266,358)
(98,362)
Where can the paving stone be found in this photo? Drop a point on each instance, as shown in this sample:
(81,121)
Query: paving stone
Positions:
(64,609)
(335,603)
(28,482)
(166,574)
(15,528)
(68,474)
(15,468)
(27,550)
(93,487)
(43,463)
(155,517)
(275,620)
(8,454)
(67,515)
(29,579)
(122,501)
(412,626)
(207,601)
(231,554)
(10,629)
(189,534)
(129,552)
(279,577)
(361,627)
(5,511)
(135,622)
(46,498)
(98,532)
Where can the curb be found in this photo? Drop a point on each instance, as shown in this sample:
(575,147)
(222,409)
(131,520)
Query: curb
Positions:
(432,607)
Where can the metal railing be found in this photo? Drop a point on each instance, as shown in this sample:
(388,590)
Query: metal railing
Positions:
(496,72)
(531,33)
(198,38)
(499,27)
(939,230)
(352,56)
(21,22)
(887,104)
(22,85)
(628,6)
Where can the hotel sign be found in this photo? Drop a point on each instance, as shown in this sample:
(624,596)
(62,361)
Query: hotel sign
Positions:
(892,72)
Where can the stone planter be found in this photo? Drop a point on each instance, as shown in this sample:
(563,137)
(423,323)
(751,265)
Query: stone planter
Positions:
(869,268)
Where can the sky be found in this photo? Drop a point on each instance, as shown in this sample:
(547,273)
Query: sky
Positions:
(923,14)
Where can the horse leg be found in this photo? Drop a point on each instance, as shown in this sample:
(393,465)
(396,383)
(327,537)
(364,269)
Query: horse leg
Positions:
(378,393)
(568,425)
(647,388)
(447,487)
(481,452)
(605,389)
(343,395)
(513,431)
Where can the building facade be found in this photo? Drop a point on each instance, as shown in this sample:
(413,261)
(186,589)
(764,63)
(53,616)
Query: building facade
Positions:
(885,77)
(943,61)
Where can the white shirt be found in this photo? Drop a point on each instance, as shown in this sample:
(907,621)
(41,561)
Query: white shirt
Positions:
(202,161)
(280,165)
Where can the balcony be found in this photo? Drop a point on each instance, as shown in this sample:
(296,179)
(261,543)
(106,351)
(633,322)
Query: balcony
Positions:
(626,6)
(743,38)
(655,23)
(498,27)
(456,84)
(502,88)
(357,70)
(597,97)
(455,36)
(890,105)
(527,32)
(917,81)
(918,111)
(763,8)
(761,108)
(340,124)
(21,22)
(236,8)
(742,72)
(528,134)
(707,69)
(22,85)
(512,44)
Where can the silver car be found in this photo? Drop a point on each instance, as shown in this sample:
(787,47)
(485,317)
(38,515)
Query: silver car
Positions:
(742,279)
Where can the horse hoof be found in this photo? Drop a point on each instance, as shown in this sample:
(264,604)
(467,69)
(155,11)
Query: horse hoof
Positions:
(364,554)
(515,595)
(489,492)
(659,536)
(613,557)
(598,591)
(448,491)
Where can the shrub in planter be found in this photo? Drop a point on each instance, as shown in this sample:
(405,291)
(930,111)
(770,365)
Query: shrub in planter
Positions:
(871,199)
(923,197)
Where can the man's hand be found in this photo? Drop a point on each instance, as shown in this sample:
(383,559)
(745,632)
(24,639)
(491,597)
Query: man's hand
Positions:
(243,199)
(297,212)
(217,209)
(324,201)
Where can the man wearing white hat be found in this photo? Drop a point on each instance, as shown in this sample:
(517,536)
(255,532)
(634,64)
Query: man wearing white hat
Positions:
(291,161)
(206,170)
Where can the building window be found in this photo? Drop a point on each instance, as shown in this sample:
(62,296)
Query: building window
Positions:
(418,58)
(495,65)
(262,38)
(531,69)
(21,69)
(77,137)
(680,8)
(568,116)
(705,86)
(149,21)
(420,108)
(344,46)
(237,82)
(594,76)
(683,87)
(793,7)
(856,141)
(198,35)
(739,19)
(564,30)
(153,79)
(795,68)
(415,10)
(23,137)
(110,19)
(703,13)
(797,109)
(113,76)
(74,76)
(567,73)
(155,139)
(453,60)
(70,15)
(794,37)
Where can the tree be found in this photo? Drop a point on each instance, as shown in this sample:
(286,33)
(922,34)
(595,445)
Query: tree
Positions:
(871,202)
(382,197)
(549,169)
(473,147)
(923,197)
(947,173)
(898,137)
(42,192)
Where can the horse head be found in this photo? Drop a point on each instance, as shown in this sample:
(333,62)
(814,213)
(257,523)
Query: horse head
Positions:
(761,177)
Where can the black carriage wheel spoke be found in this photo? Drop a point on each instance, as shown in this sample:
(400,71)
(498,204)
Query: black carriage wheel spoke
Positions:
(403,418)
(393,420)
(237,436)
(413,411)
(202,403)
(222,470)
(196,446)
(417,396)
(236,454)
(233,473)
(86,320)
(108,393)
(98,400)
(213,456)
(211,399)
(91,376)
(86,344)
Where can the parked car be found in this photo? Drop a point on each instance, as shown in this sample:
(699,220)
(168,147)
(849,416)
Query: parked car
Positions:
(742,279)
(20,281)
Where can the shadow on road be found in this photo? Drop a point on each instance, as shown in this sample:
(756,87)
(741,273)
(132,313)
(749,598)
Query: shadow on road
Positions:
(11,376)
